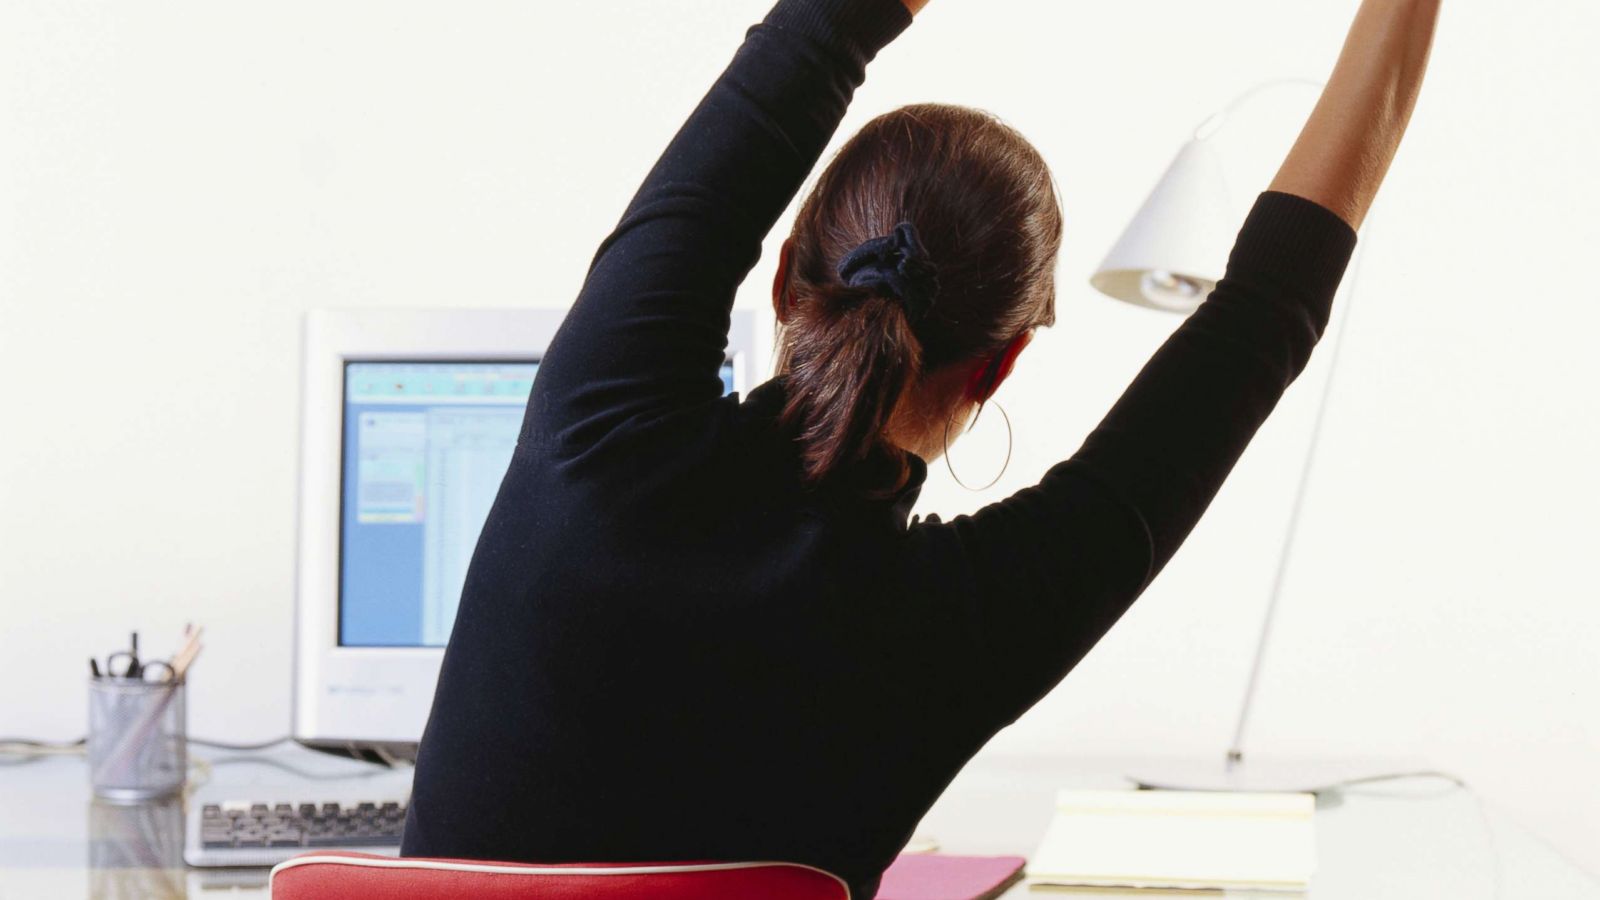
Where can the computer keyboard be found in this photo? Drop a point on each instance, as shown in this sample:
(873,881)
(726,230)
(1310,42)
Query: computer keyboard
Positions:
(246,833)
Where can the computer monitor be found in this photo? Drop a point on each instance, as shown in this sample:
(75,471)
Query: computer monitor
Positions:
(409,418)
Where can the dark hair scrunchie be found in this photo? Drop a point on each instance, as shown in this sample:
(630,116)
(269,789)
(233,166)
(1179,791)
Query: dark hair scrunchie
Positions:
(898,263)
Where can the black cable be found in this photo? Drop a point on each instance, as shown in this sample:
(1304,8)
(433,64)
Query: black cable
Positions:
(370,772)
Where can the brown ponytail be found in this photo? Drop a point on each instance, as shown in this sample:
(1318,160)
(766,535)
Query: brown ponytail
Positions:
(842,389)
(982,200)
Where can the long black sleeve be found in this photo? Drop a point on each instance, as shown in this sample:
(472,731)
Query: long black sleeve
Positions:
(649,329)
(1051,568)
(670,647)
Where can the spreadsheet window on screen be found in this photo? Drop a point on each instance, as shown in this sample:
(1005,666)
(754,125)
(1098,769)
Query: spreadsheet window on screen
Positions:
(425,447)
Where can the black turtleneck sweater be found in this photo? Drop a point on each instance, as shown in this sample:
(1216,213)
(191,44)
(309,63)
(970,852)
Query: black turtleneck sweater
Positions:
(669,649)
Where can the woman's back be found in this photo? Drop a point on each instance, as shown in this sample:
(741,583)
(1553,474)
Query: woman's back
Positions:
(693,660)
(676,643)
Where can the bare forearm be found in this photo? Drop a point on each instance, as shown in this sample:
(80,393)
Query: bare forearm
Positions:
(1346,147)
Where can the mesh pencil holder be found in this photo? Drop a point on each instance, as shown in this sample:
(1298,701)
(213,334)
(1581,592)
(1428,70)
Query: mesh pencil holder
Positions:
(138,738)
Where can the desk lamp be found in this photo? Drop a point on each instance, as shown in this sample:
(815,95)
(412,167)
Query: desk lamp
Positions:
(1169,258)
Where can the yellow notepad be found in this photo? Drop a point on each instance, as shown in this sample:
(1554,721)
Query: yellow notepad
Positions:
(1189,840)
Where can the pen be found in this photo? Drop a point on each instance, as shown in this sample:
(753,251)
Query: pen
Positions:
(94,667)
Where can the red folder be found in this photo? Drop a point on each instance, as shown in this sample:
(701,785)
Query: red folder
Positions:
(935,876)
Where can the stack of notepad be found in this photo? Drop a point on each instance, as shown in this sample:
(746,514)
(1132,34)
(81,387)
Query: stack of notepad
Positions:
(1177,840)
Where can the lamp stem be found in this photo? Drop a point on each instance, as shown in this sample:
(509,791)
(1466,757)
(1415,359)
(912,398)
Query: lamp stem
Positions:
(1236,749)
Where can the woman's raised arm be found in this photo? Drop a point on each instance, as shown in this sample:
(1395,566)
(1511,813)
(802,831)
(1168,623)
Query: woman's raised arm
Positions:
(1043,574)
(647,333)
(1346,146)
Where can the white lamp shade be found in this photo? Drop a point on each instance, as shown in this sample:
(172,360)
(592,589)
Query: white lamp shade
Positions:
(1173,252)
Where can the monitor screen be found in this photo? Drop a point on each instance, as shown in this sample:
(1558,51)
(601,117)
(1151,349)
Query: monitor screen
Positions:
(425,446)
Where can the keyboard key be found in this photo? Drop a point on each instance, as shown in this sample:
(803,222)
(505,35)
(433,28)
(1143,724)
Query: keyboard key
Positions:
(283,828)
(369,840)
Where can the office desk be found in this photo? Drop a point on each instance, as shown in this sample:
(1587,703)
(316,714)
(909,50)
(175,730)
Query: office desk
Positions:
(1404,840)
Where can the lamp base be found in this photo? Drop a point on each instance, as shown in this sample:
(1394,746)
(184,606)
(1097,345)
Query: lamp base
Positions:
(1268,774)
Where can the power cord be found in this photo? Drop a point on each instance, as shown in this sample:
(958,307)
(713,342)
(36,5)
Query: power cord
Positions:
(20,751)
(224,745)
(1479,804)
(1456,780)
(32,747)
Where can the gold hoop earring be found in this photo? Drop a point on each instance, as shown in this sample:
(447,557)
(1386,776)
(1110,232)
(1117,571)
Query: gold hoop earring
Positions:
(952,468)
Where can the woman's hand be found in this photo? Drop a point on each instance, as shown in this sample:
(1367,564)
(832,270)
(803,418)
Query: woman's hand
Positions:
(1346,147)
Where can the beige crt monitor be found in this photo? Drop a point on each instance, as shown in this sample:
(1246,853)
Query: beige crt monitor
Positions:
(408,421)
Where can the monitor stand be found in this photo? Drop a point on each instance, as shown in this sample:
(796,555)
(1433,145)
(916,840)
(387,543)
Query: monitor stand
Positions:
(392,754)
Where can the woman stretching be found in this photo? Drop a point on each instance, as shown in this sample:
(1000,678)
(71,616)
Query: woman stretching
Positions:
(700,628)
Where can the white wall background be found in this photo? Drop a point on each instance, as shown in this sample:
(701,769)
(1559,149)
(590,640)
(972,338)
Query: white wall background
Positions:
(182,179)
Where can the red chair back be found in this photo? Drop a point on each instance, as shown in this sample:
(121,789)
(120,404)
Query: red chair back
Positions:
(364,876)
